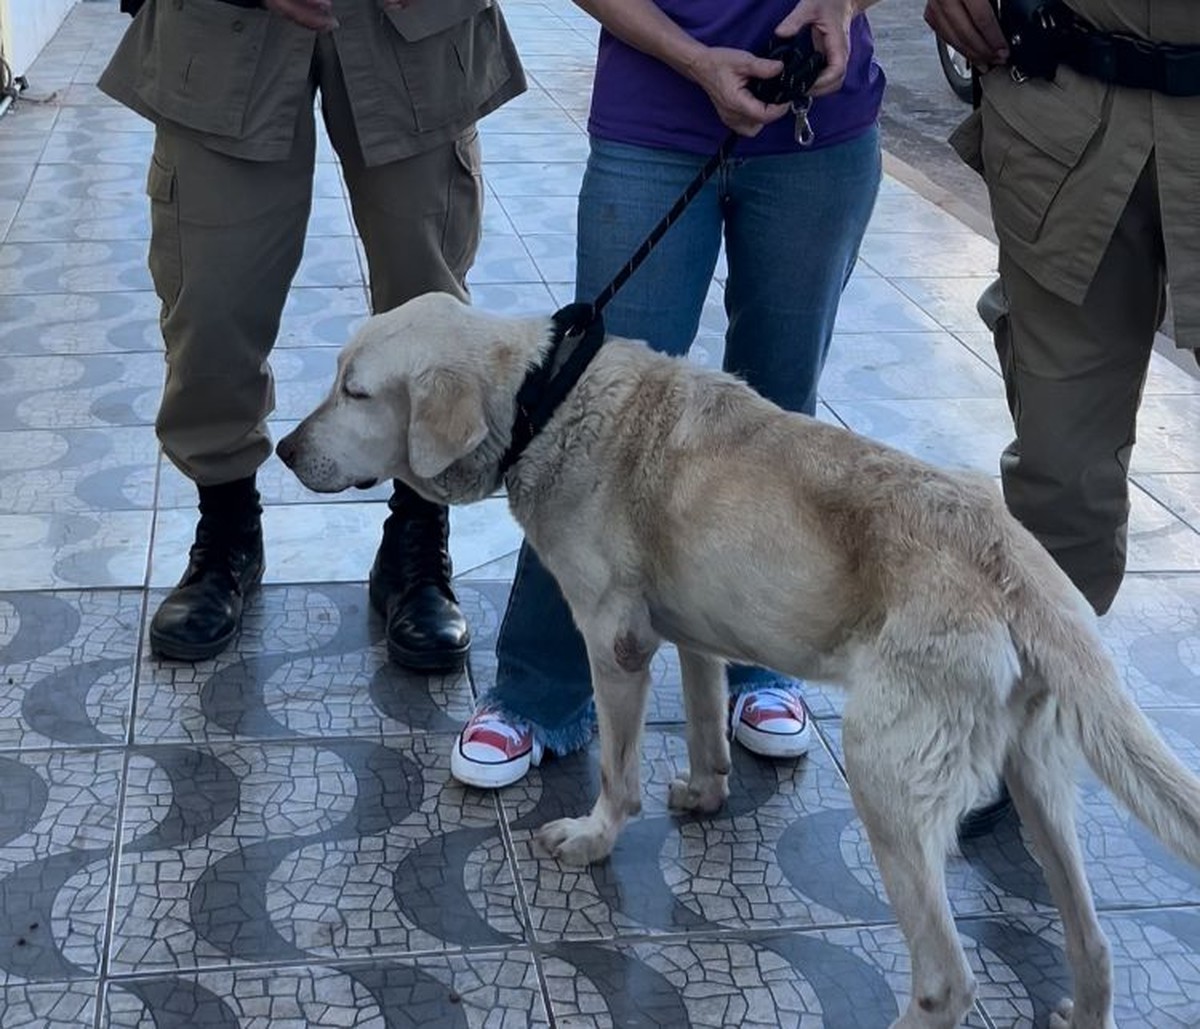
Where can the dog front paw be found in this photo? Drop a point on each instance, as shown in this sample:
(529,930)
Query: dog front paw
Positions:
(699,796)
(1064,1017)
(1060,1017)
(576,841)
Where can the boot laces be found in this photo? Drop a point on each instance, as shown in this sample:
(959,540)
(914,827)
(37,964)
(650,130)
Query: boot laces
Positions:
(416,551)
(217,547)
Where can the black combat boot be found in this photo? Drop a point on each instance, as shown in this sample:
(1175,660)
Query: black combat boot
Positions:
(201,615)
(410,587)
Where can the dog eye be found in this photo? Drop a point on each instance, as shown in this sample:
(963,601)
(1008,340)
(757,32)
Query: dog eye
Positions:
(354,392)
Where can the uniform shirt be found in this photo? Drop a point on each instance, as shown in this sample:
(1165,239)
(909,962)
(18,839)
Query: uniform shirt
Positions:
(640,100)
(1063,169)
(236,77)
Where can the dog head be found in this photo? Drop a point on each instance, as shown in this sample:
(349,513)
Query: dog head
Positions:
(423,393)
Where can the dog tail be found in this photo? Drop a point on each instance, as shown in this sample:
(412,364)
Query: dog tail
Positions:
(1117,740)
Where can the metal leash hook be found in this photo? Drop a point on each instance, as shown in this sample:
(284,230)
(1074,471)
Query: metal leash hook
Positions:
(804,130)
(802,64)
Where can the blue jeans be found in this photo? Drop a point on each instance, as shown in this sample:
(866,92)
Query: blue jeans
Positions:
(792,225)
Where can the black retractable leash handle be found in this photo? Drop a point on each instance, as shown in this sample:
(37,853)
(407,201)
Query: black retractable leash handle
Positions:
(579,327)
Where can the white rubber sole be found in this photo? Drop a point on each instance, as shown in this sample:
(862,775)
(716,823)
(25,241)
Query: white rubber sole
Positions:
(774,744)
(488,776)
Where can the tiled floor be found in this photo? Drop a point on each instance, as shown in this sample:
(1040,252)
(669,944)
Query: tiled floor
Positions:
(272,838)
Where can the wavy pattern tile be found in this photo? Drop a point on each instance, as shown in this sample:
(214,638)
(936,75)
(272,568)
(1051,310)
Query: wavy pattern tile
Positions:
(272,839)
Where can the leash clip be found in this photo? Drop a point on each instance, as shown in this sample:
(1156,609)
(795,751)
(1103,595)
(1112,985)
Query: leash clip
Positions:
(804,130)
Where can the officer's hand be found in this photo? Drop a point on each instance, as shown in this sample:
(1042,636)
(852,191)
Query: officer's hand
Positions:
(971,27)
(312,14)
(830,20)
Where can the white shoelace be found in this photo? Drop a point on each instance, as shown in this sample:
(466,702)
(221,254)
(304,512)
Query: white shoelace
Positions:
(494,720)
(491,718)
(777,698)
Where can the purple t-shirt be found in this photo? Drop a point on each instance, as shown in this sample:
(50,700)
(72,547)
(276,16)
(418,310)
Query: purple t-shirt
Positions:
(637,99)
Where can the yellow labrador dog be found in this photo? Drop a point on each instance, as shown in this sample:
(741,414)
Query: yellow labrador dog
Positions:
(674,503)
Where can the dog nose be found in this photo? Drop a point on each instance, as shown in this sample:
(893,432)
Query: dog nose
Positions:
(286,449)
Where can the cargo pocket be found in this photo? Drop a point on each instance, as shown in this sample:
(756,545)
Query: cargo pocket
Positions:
(450,58)
(166,244)
(207,53)
(1034,134)
(420,21)
(994,311)
(464,206)
(967,141)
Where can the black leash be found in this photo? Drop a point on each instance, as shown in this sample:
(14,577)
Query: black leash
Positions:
(578,331)
(578,328)
(669,219)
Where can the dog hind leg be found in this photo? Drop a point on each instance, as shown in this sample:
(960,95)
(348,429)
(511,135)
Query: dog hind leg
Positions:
(706,786)
(910,825)
(1041,781)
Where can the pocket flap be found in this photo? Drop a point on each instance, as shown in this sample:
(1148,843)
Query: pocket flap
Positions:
(1059,123)
(967,141)
(1035,134)
(198,62)
(160,182)
(427,18)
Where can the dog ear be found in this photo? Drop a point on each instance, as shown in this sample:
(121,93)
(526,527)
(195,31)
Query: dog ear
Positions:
(446,420)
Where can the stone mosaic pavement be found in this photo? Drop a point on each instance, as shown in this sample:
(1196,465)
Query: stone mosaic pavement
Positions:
(272,838)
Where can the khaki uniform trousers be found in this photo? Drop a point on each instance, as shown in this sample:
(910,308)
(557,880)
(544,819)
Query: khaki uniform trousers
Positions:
(1074,376)
(227,236)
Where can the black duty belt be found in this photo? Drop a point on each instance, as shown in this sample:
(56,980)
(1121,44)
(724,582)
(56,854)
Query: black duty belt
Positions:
(1044,34)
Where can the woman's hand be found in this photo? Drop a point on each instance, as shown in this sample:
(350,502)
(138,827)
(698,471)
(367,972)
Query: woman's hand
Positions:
(725,74)
(830,21)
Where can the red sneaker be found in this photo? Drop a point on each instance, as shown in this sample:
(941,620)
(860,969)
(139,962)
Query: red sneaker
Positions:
(493,750)
(772,721)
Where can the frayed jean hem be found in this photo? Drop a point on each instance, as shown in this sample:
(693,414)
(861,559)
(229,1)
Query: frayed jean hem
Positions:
(577,731)
(572,735)
(744,678)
